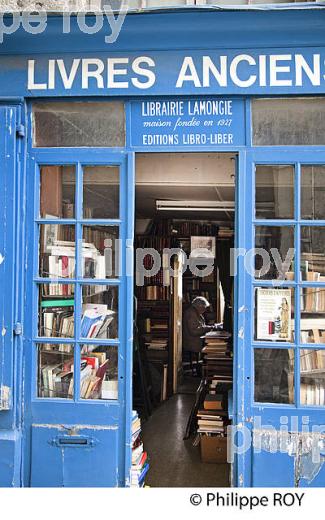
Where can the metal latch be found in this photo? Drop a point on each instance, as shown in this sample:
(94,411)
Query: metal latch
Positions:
(4,397)
(20,131)
(18,329)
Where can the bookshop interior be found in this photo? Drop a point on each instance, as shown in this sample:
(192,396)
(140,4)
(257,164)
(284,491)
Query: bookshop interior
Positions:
(185,202)
(183,305)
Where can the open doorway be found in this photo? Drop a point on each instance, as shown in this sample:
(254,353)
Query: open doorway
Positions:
(183,349)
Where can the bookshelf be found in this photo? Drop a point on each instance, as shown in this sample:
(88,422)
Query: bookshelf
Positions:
(154,311)
(159,311)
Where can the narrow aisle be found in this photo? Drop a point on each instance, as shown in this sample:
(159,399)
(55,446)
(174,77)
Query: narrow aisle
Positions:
(174,462)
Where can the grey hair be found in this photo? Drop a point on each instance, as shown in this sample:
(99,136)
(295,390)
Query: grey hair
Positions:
(200,300)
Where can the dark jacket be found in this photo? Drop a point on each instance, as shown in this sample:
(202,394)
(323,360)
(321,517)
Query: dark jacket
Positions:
(193,327)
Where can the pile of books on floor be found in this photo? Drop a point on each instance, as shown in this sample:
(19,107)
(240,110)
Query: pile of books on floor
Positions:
(217,362)
(140,464)
(213,418)
(212,427)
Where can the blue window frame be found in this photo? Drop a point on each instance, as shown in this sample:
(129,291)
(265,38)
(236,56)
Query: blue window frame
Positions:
(294,410)
(43,409)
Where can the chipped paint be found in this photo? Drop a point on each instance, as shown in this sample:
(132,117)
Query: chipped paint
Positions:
(5,396)
(307,448)
(76,427)
(241,333)
(4,331)
(1,258)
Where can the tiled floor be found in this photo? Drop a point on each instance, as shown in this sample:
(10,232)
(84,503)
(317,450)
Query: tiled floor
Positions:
(174,462)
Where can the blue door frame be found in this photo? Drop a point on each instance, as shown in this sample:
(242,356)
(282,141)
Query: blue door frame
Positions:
(11,283)
(96,418)
(106,424)
(283,468)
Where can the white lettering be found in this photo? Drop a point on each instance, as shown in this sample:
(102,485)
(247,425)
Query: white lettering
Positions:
(96,73)
(262,64)
(276,69)
(112,72)
(233,71)
(149,74)
(219,75)
(31,85)
(68,80)
(188,73)
(51,84)
(312,74)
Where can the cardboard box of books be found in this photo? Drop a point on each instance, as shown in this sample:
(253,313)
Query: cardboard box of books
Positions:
(213,449)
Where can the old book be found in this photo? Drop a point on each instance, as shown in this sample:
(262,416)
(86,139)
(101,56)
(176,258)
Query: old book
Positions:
(213,402)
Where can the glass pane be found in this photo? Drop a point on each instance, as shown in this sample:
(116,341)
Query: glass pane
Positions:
(99,312)
(313,253)
(312,377)
(99,372)
(100,252)
(312,320)
(76,124)
(274,253)
(58,185)
(55,371)
(295,121)
(274,375)
(274,314)
(101,192)
(57,251)
(274,191)
(56,310)
(312,192)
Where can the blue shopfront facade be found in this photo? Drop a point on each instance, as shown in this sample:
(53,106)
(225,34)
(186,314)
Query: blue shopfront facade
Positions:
(187,80)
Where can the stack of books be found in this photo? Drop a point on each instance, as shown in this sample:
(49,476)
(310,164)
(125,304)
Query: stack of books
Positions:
(212,429)
(213,419)
(140,464)
(217,363)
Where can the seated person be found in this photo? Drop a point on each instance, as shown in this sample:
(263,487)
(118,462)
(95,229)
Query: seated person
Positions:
(194,326)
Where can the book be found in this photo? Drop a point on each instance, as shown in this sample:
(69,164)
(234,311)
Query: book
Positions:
(213,402)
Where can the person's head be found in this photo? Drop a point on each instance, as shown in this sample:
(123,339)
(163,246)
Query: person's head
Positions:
(201,304)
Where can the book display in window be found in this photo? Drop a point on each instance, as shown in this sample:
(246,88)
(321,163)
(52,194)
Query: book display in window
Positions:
(98,372)
(312,374)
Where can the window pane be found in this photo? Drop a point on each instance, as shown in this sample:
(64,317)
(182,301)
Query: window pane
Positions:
(57,251)
(274,381)
(56,310)
(312,192)
(58,184)
(99,312)
(313,253)
(100,252)
(76,124)
(312,321)
(289,121)
(101,192)
(274,314)
(274,191)
(55,371)
(312,377)
(99,372)
(274,252)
